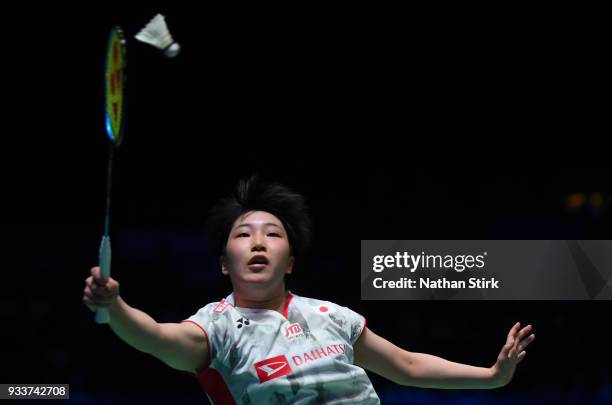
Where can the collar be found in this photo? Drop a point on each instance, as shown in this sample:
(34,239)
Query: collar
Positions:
(230,300)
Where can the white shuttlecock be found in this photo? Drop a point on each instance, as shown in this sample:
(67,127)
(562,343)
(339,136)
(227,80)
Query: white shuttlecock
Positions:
(156,33)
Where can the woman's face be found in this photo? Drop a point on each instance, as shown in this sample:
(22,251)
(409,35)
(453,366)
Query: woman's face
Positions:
(257,251)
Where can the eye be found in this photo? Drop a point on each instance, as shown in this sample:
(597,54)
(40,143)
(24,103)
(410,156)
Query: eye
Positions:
(242,235)
(276,235)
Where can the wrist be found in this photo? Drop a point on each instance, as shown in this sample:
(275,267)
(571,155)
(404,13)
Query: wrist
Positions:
(116,307)
(496,379)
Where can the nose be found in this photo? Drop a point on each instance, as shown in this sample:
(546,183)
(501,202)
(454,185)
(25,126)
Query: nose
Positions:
(258,244)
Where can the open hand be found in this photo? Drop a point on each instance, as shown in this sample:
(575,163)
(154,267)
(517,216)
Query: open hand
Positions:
(512,353)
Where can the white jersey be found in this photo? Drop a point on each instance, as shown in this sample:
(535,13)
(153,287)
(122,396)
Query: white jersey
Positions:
(304,356)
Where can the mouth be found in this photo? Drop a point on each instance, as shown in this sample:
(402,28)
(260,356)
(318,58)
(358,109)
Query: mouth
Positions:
(258,262)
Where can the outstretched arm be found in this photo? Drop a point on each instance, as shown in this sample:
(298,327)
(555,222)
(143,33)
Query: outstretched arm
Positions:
(182,346)
(382,357)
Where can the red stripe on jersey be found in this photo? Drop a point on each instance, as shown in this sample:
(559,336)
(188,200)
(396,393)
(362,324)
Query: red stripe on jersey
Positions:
(286,308)
(211,380)
(365,321)
(214,385)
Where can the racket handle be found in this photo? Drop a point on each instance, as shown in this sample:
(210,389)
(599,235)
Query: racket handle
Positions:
(102,315)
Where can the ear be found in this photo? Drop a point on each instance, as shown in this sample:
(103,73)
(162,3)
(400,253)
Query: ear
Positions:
(290,266)
(223,263)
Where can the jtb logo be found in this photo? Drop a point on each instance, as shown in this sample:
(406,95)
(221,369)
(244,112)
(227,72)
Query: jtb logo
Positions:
(294,330)
(271,368)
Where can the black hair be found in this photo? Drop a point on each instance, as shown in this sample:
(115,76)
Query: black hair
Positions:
(253,194)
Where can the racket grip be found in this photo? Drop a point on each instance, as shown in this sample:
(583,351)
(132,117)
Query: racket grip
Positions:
(102,315)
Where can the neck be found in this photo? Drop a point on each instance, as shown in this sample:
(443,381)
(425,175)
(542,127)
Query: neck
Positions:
(274,301)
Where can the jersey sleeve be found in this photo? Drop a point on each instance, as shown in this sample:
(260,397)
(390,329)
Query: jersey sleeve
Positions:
(352,323)
(207,320)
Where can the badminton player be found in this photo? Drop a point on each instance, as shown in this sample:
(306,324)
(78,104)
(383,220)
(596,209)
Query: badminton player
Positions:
(264,344)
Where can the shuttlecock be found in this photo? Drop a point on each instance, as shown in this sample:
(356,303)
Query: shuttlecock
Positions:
(156,33)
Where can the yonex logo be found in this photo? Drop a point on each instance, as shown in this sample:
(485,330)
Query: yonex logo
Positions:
(272,368)
(242,321)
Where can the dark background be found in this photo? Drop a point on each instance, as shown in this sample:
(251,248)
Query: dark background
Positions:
(394,124)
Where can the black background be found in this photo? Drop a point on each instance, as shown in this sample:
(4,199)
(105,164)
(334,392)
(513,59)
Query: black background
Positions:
(394,124)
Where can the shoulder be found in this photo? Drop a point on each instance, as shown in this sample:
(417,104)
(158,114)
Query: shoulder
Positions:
(326,307)
(213,312)
(315,305)
(216,320)
(344,320)
(313,302)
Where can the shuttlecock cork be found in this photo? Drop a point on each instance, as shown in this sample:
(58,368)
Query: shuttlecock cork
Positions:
(156,33)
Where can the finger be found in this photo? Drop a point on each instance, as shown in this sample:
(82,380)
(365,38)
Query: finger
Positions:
(106,302)
(100,288)
(112,284)
(98,302)
(90,299)
(98,296)
(515,329)
(521,356)
(100,282)
(89,304)
(97,275)
(94,305)
(525,342)
(520,335)
(512,333)
(101,293)
(510,341)
(506,349)
(93,287)
(524,331)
